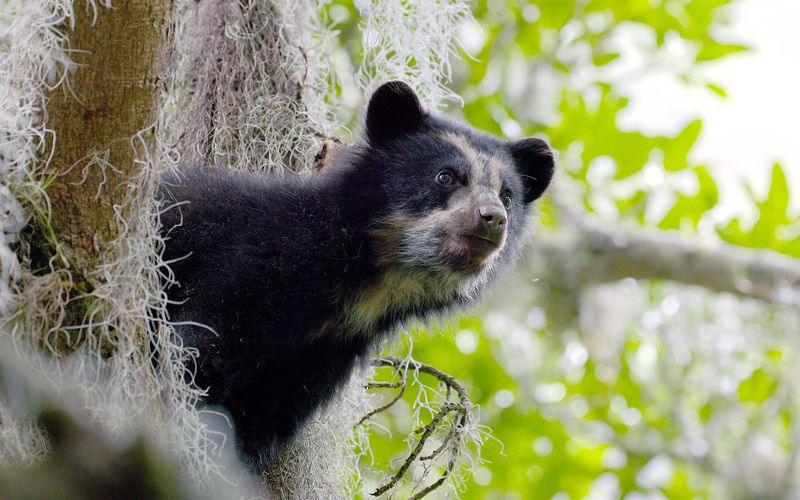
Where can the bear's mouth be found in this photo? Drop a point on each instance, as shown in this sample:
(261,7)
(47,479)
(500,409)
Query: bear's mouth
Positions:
(480,244)
(469,252)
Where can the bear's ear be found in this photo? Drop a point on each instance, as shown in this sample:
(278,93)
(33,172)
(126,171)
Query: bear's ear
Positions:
(534,162)
(394,110)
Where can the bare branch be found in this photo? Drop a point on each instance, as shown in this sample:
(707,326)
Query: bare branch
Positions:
(595,254)
(379,385)
(426,433)
(452,440)
(448,380)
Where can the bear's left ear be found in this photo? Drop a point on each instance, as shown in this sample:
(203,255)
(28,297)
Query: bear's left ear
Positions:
(534,161)
(394,110)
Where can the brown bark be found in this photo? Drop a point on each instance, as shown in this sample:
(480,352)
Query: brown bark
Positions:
(118,59)
(592,254)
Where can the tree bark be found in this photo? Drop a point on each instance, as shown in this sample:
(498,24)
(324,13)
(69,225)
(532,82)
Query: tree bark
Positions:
(597,254)
(119,53)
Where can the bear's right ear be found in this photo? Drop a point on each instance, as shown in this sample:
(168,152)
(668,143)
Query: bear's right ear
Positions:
(394,110)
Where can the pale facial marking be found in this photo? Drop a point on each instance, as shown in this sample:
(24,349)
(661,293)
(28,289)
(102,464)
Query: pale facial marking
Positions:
(430,241)
(402,240)
(476,170)
(484,168)
(495,165)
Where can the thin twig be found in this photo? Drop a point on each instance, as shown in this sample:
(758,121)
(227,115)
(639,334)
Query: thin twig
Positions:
(450,466)
(402,385)
(384,385)
(451,440)
(427,431)
(446,379)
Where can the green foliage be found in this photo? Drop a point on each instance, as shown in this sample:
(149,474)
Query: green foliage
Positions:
(680,390)
(688,210)
(776,227)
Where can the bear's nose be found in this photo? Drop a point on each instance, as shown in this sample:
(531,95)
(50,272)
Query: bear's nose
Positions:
(492,222)
(493,217)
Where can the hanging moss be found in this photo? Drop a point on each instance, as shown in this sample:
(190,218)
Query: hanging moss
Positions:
(245,85)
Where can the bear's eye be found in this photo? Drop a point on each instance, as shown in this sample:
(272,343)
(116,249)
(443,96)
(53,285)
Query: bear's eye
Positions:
(505,197)
(446,178)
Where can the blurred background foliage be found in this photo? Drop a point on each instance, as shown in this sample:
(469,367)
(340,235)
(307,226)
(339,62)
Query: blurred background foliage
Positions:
(646,389)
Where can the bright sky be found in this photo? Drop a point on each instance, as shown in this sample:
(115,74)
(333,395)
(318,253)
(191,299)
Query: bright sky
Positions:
(757,124)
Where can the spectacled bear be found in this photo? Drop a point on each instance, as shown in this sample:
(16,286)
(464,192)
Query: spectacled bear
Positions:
(298,279)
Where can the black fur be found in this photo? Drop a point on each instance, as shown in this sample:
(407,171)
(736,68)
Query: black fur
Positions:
(396,101)
(274,266)
(535,173)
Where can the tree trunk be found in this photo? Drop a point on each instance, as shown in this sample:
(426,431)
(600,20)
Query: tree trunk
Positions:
(119,54)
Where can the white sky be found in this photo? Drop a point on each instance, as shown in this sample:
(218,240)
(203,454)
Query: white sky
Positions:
(757,124)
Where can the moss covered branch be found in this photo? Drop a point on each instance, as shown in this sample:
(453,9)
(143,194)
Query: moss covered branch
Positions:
(455,427)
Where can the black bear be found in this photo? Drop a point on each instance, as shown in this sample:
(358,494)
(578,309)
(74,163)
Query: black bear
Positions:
(297,279)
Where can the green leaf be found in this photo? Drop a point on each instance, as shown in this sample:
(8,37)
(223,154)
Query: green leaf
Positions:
(603,59)
(561,66)
(711,50)
(778,197)
(773,211)
(757,388)
(676,151)
(633,206)
(717,89)
(706,411)
(689,210)
(707,192)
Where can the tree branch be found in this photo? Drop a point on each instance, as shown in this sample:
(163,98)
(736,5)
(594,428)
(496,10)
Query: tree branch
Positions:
(452,439)
(594,254)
